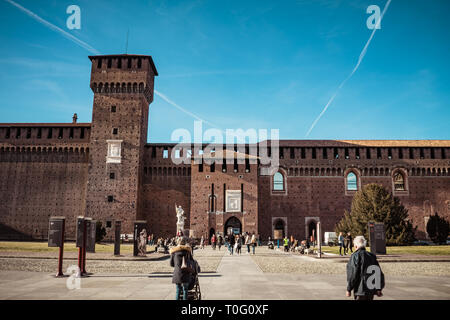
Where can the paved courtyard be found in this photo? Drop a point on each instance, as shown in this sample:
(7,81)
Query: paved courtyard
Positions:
(232,277)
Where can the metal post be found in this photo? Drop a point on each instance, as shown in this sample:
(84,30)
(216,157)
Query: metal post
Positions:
(61,251)
(83,251)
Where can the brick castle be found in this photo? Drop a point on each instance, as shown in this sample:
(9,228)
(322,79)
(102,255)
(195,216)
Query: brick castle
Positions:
(106,170)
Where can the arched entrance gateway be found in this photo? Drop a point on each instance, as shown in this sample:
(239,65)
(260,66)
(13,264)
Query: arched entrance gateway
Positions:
(233,226)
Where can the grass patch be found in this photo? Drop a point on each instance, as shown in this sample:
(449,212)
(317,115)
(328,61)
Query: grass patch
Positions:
(443,250)
(13,246)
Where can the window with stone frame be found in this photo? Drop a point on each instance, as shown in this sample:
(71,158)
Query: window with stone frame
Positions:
(278,182)
(352,182)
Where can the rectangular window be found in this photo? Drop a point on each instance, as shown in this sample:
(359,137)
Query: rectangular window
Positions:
(313,150)
(110,198)
(17,133)
(109,63)
(292,153)
(82,133)
(50,133)
(336,153)
(346,154)
(153,152)
(389,153)
(60,134)
(119,63)
(108,224)
(99,63)
(28,133)
(432,153)
(113,108)
(39,134)
(303,153)
(224,197)
(411,153)
(443,153)
(247,164)
(242,197)
(71,133)
(281,153)
(368,153)
(213,167)
(379,153)
(324,153)
(212,198)
(112,175)
(421,153)
(357,153)
(200,167)
(8,133)
(400,153)
(115,130)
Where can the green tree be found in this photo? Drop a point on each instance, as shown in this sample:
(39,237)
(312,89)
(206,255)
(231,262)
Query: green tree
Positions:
(100,231)
(438,228)
(375,203)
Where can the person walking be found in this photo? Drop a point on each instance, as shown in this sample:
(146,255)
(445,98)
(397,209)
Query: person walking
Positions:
(232,242)
(202,243)
(238,244)
(180,276)
(253,242)
(213,241)
(286,244)
(364,282)
(219,241)
(341,243)
(248,242)
(349,241)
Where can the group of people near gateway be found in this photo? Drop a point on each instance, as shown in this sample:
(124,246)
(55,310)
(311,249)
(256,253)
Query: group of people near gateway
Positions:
(364,276)
(234,242)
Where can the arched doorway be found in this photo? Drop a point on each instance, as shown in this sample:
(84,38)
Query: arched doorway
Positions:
(233,226)
(279,225)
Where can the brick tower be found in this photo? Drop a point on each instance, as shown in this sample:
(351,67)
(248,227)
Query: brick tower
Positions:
(123,90)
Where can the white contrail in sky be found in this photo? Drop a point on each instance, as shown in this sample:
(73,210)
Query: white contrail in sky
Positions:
(95,51)
(55,28)
(361,56)
(165,98)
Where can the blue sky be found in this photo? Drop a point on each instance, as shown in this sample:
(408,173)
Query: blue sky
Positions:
(241,64)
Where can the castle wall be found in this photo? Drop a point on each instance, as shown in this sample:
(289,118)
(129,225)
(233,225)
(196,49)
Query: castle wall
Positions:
(41,176)
(316,186)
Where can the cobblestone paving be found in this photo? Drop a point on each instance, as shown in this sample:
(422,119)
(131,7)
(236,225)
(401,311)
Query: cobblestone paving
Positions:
(153,263)
(273,261)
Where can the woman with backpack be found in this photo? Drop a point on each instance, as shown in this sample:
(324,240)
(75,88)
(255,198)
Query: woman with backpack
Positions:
(181,260)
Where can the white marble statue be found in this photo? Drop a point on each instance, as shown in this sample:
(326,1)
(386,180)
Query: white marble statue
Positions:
(180,218)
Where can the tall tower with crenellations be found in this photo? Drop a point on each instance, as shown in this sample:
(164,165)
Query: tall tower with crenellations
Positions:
(123,89)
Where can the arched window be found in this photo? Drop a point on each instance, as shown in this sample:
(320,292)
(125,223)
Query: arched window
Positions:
(278,182)
(352,183)
(399,182)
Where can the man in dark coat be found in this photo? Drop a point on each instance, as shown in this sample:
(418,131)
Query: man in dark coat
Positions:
(364,275)
(181,277)
(348,243)
(232,240)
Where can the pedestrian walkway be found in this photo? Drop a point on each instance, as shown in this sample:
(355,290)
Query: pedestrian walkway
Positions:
(237,277)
